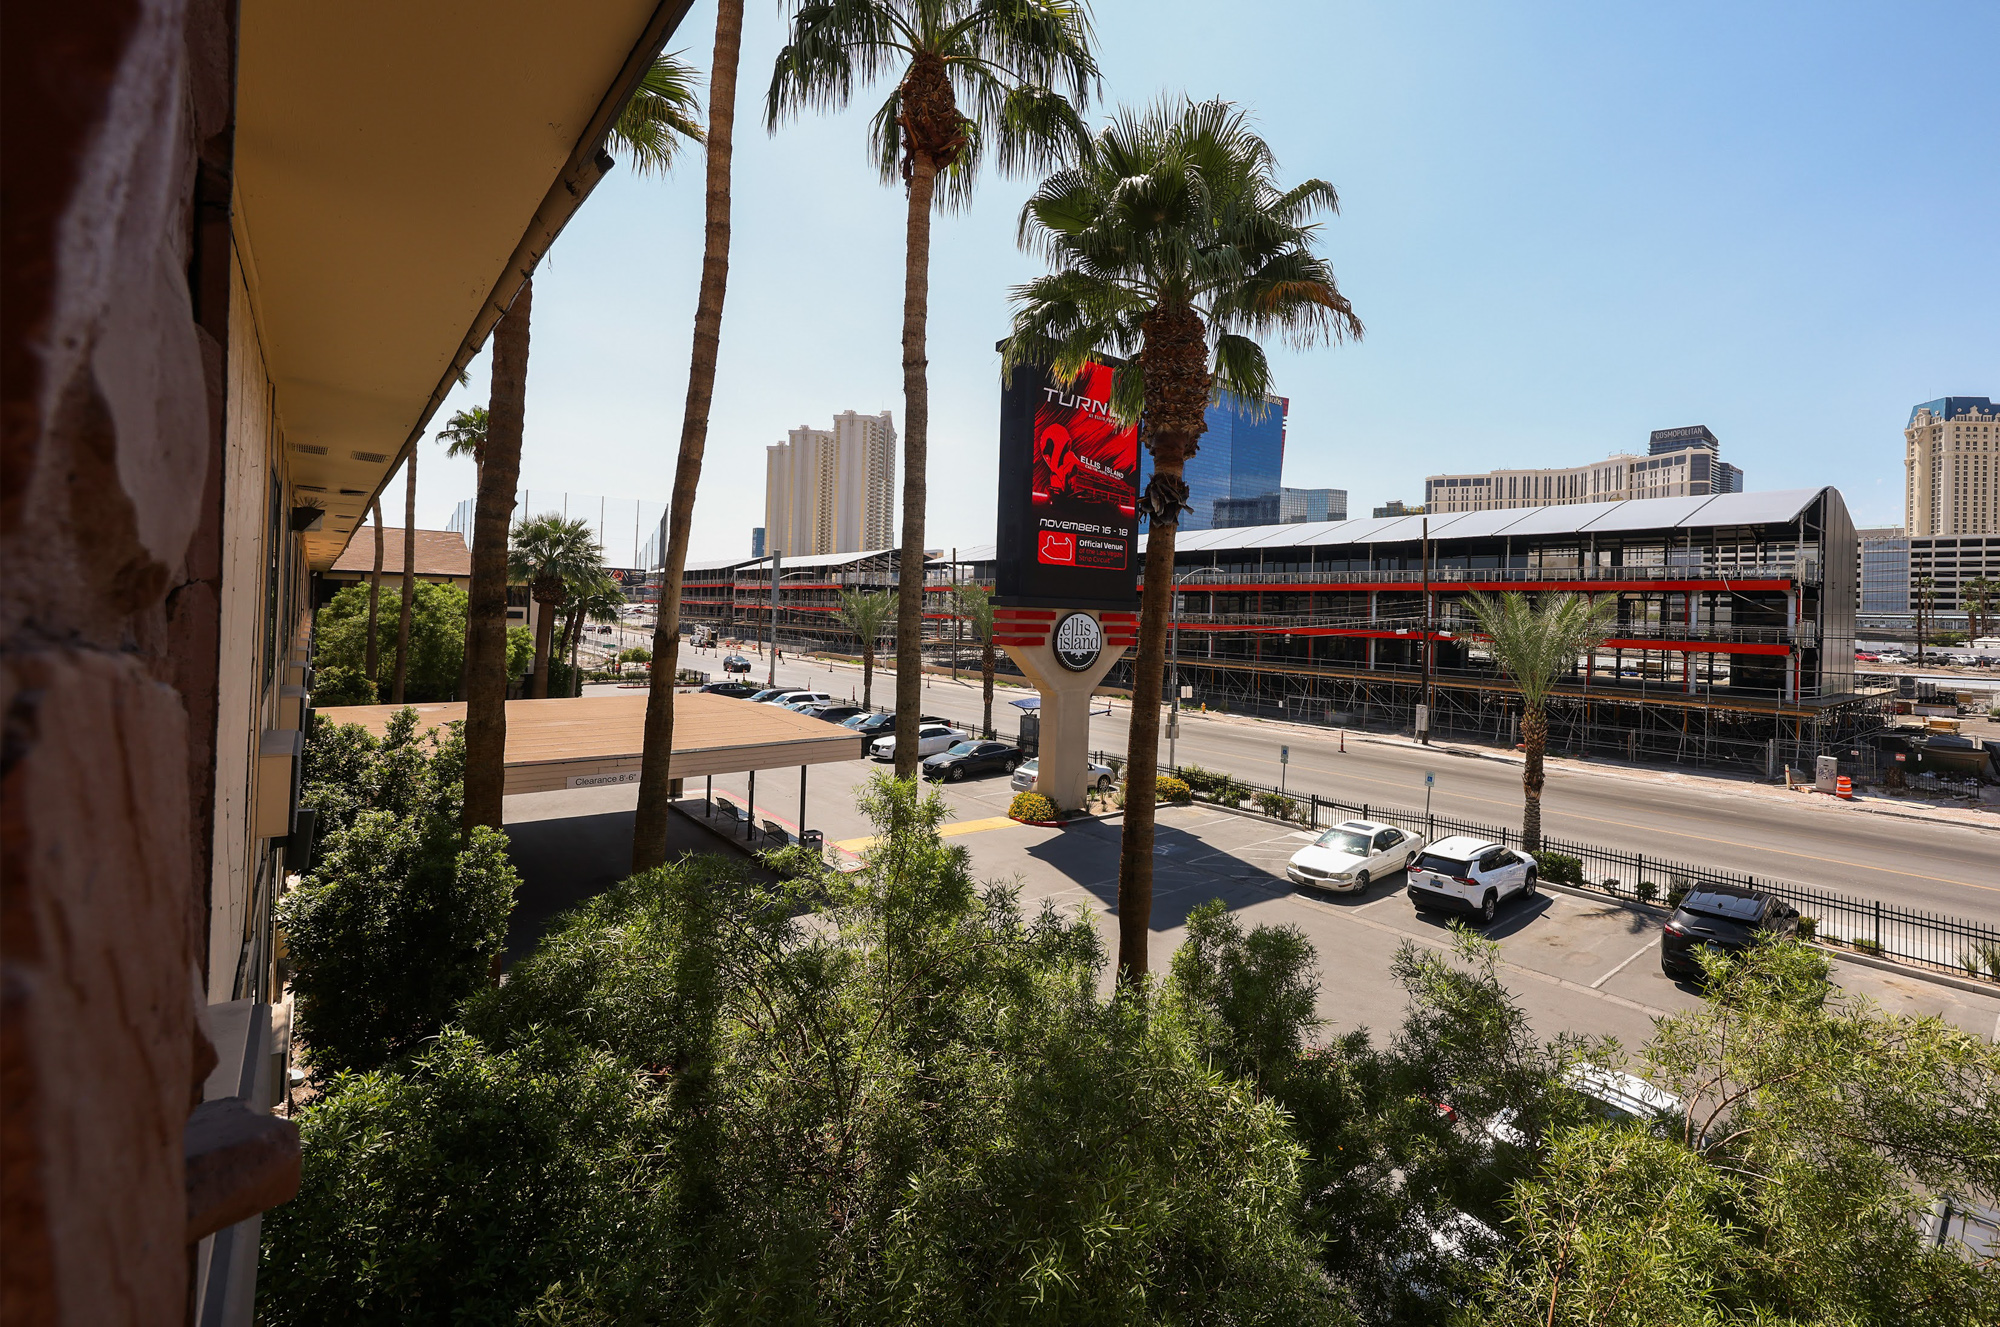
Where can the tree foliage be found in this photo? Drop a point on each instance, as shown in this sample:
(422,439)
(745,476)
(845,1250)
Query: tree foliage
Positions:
(437,640)
(399,918)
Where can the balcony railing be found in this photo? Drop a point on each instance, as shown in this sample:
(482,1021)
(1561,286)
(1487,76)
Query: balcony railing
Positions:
(1805,572)
(1804,634)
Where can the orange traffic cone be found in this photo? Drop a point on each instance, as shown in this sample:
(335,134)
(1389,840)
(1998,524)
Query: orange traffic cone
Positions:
(1844,789)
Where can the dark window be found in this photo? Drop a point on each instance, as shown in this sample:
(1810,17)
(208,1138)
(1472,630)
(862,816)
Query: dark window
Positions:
(1431,861)
(1726,907)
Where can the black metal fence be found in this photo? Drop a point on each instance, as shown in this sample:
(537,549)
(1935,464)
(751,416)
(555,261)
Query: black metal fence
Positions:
(1928,939)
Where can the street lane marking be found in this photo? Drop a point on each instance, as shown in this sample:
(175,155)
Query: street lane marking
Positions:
(1620,968)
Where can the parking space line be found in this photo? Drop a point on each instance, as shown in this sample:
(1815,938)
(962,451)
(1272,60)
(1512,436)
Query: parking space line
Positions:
(1647,949)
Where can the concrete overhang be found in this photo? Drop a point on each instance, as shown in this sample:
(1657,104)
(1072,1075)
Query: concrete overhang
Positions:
(400,169)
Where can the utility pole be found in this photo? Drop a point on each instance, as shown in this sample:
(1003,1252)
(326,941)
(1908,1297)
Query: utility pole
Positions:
(771,676)
(1424,714)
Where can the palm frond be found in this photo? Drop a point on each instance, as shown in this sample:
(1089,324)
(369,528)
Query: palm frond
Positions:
(662,114)
(1536,644)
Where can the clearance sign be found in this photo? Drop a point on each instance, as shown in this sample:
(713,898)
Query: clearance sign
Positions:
(1068,527)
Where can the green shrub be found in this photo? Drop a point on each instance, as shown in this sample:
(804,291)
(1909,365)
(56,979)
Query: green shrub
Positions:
(1203,781)
(637,654)
(1867,946)
(1278,806)
(1167,788)
(1808,928)
(335,685)
(1648,891)
(400,918)
(1559,868)
(1032,806)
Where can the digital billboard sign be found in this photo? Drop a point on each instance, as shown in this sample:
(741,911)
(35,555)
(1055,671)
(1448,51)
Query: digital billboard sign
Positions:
(1068,528)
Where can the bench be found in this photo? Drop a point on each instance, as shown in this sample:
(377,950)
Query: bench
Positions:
(777,831)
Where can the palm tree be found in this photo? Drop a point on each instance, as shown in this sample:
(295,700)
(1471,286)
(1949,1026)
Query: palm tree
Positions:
(409,575)
(550,553)
(1171,245)
(1535,646)
(1978,596)
(968,73)
(486,608)
(974,603)
(649,823)
(595,598)
(374,658)
(867,614)
(464,434)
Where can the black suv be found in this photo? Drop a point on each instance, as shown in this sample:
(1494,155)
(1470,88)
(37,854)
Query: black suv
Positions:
(1720,917)
(738,690)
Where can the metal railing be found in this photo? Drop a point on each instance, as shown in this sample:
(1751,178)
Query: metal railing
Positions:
(1910,935)
(1806,572)
(1804,633)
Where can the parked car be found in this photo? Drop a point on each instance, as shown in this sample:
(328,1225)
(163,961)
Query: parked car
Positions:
(866,722)
(970,757)
(795,697)
(1721,917)
(1863,656)
(738,690)
(763,694)
(1100,777)
(1352,855)
(835,713)
(735,663)
(931,739)
(1468,874)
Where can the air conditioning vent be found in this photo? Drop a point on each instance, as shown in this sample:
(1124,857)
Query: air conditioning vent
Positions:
(371,458)
(308,449)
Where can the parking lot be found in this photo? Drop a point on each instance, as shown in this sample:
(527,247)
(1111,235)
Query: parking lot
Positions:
(1577,963)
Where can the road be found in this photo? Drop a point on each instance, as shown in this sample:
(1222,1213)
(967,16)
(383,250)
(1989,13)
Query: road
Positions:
(1689,816)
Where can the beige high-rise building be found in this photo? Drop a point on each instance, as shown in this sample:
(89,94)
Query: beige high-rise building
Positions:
(1951,468)
(1679,463)
(832,490)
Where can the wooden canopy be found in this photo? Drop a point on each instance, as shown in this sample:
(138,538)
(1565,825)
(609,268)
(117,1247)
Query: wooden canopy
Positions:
(595,741)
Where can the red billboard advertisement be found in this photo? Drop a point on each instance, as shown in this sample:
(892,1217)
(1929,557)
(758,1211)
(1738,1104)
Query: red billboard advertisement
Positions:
(1069,485)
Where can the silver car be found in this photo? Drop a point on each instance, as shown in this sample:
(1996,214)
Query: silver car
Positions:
(1100,777)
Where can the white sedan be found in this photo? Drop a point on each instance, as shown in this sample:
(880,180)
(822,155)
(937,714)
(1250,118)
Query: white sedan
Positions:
(1352,854)
(931,739)
(1099,777)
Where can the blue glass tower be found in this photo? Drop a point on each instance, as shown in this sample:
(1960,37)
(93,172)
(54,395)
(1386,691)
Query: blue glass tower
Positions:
(1242,456)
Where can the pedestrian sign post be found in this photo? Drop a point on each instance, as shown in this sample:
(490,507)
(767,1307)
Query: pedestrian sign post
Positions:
(1430,781)
(1284,759)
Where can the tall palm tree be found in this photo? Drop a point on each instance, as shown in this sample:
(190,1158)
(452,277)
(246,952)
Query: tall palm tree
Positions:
(374,656)
(1009,73)
(649,823)
(975,605)
(867,614)
(409,575)
(464,434)
(486,607)
(550,553)
(1536,645)
(1172,245)
(595,598)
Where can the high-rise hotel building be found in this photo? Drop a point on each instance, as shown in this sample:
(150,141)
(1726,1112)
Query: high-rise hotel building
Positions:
(832,490)
(1679,463)
(1951,468)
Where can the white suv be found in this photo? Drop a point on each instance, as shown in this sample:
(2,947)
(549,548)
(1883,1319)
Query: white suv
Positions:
(799,697)
(1467,874)
(931,739)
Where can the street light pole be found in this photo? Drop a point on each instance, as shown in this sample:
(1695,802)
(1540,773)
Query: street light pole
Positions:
(771,676)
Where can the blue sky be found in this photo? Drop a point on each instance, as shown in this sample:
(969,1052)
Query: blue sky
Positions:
(1564,224)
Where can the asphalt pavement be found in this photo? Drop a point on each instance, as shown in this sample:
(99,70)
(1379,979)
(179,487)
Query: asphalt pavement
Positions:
(1687,815)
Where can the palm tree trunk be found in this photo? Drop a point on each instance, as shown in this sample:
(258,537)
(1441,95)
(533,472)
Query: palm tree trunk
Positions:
(486,609)
(986,679)
(1534,736)
(649,825)
(1142,745)
(867,675)
(409,574)
(545,633)
(916,456)
(374,653)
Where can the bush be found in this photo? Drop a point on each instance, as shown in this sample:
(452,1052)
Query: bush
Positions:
(400,918)
(335,685)
(1560,868)
(1032,806)
(1278,806)
(1203,781)
(1167,788)
(1867,946)
(1648,891)
(637,654)
(1808,928)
